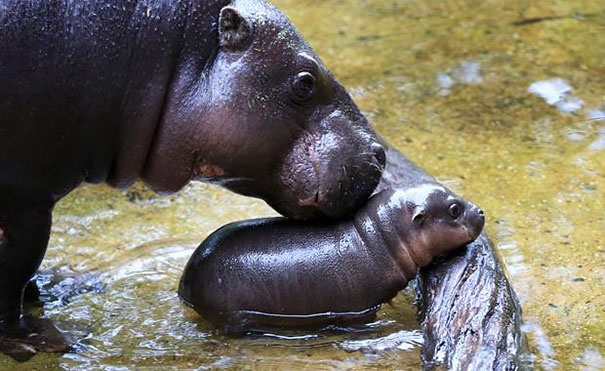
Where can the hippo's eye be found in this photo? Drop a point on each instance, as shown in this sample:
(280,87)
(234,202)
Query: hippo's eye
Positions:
(303,86)
(455,210)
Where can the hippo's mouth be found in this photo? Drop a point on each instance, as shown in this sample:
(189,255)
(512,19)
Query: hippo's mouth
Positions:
(300,192)
(320,177)
(312,201)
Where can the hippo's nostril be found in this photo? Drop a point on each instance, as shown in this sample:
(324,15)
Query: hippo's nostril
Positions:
(481,212)
(379,154)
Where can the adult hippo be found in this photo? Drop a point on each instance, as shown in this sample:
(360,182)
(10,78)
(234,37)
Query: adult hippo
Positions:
(167,91)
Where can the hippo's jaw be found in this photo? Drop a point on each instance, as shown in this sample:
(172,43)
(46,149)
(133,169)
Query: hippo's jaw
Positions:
(306,185)
(331,170)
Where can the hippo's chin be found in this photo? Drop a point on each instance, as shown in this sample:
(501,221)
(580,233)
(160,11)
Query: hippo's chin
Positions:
(300,208)
(322,204)
(295,209)
(325,181)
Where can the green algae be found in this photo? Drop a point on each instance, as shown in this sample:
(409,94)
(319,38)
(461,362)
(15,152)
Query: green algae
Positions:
(531,167)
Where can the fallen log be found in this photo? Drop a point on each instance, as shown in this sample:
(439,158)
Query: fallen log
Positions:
(470,314)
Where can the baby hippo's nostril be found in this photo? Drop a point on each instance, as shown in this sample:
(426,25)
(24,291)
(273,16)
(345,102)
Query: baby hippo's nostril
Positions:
(379,154)
(480,212)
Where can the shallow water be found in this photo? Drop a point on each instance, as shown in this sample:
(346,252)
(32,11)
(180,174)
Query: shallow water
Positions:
(448,84)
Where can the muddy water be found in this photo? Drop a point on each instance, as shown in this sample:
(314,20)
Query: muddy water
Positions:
(446,82)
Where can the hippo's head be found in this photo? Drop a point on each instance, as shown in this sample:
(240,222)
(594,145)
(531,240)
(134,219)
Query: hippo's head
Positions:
(265,118)
(437,221)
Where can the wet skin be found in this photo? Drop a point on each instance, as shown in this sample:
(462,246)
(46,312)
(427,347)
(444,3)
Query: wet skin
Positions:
(281,272)
(166,91)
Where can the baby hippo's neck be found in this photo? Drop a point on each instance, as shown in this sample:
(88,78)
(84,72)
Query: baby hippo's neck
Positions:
(382,228)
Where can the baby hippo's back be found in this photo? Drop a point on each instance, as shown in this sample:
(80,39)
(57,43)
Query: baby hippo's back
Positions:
(279,272)
(283,272)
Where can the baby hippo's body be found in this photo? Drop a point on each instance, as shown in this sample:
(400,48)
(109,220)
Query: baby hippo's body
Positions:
(280,272)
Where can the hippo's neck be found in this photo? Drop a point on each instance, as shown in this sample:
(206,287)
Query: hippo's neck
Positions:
(86,81)
(174,44)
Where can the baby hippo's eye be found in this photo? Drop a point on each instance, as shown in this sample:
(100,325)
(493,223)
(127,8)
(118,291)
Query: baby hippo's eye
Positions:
(455,210)
(303,86)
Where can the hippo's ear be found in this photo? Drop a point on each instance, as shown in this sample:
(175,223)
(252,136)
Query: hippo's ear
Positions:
(233,29)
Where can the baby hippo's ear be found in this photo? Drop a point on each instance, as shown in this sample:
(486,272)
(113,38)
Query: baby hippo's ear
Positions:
(419,217)
(234,30)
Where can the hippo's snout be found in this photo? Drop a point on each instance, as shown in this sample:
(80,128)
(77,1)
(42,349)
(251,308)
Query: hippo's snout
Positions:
(328,175)
(347,182)
(380,156)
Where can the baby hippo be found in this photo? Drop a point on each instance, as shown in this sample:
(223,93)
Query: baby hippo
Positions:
(278,272)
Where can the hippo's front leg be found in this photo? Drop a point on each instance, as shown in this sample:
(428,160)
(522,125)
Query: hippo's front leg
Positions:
(24,232)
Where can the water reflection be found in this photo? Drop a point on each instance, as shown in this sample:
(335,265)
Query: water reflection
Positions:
(599,143)
(130,312)
(556,92)
(401,340)
(467,73)
(544,348)
(591,360)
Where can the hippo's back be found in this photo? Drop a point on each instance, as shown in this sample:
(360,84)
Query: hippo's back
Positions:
(74,74)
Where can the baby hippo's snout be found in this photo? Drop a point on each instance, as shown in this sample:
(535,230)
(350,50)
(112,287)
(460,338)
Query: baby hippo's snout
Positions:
(475,220)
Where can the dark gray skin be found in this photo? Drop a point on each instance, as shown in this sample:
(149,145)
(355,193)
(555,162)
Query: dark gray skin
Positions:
(280,272)
(166,91)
